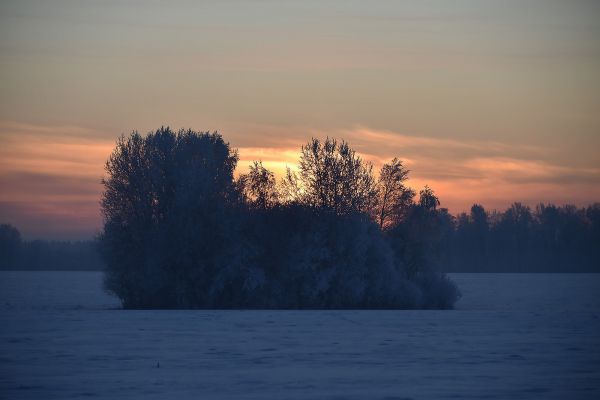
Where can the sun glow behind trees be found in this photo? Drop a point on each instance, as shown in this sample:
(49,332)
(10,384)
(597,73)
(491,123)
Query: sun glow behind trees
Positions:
(52,174)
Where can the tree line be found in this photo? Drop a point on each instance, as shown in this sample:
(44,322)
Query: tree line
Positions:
(548,238)
(19,254)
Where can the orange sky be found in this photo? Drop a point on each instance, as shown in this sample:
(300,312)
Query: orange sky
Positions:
(485,102)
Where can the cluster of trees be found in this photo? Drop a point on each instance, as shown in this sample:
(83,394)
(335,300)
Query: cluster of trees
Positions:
(546,239)
(181,232)
(16,253)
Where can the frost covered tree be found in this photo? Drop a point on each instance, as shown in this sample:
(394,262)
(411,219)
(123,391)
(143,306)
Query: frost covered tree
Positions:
(302,257)
(169,227)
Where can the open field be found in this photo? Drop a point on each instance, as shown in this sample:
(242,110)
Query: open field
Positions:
(511,336)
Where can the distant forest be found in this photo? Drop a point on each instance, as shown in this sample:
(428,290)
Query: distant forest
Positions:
(19,254)
(548,238)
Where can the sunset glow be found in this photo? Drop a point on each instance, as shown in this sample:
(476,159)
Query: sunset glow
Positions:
(485,103)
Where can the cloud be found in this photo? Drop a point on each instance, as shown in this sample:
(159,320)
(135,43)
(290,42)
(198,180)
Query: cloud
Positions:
(461,171)
(493,173)
(531,171)
(60,220)
(40,186)
(50,175)
(53,150)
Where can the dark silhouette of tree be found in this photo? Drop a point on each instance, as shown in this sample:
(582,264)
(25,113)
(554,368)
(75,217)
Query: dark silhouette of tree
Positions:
(169,231)
(428,200)
(479,216)
(420,236)
(516,226)
(259,186)
(548,239)
(592,215)
(10,246)
(290,191)
(470,238)
(332,177)
(394,198)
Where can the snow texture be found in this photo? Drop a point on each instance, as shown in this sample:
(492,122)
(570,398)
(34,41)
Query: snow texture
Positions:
(512,336)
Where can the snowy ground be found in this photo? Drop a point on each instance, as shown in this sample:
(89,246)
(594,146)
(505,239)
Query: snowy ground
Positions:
(512,336)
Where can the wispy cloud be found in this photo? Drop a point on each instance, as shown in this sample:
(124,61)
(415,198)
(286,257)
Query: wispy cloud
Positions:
(488,172)
(461,171)
(50,175)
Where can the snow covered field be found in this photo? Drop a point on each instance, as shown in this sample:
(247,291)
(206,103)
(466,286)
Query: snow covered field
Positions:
(512,336)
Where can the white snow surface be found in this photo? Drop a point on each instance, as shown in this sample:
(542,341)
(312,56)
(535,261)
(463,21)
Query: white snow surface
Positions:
(512,336)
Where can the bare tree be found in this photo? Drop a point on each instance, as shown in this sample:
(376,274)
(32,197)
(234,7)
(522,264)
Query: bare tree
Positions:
(394,198)
(331,176)
(289,189)
(428,200)
(259,186)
